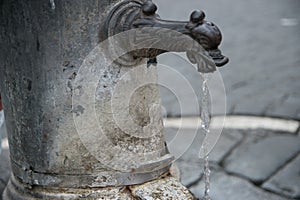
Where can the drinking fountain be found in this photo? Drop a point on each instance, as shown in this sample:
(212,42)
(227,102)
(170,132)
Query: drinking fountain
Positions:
(70,67)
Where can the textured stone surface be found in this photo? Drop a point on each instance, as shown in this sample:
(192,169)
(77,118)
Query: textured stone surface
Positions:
(259,157)
(287,180)
(15,191)
(119,193)
(175,171)
(191,169)
(162,189)
(224,186)
(262,75)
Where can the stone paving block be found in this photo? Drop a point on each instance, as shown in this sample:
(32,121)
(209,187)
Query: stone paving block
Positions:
(190,165)
(226,187)
(257,158)
(191,170)
(287,180)
(188,144)
(227,141)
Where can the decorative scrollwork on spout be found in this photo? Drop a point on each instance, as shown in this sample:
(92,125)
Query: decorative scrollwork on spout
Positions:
(151,29)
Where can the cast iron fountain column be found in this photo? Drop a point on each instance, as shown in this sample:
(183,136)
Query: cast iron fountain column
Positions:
(44,45)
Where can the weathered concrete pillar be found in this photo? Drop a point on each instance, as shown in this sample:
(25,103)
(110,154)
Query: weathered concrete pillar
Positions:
(48,52)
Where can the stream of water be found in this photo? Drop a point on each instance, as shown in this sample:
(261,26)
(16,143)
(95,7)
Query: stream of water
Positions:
(1,124)
(205,122)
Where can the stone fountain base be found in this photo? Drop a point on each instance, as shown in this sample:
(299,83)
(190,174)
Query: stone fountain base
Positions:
(167,187)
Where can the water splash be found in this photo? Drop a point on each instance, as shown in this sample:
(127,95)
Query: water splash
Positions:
(205,122)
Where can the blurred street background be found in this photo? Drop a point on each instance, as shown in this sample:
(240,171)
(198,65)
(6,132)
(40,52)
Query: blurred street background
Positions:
(261,38)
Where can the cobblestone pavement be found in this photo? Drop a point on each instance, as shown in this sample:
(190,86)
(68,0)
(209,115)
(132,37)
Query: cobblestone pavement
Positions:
(261,38)
(250,164)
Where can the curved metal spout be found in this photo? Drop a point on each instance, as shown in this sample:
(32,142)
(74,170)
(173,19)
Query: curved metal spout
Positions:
(130,15)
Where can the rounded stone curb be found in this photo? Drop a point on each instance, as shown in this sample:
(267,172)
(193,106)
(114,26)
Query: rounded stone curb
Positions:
(242,122)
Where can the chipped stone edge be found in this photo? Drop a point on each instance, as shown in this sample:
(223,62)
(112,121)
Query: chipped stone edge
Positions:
(155,188)
(242,122)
